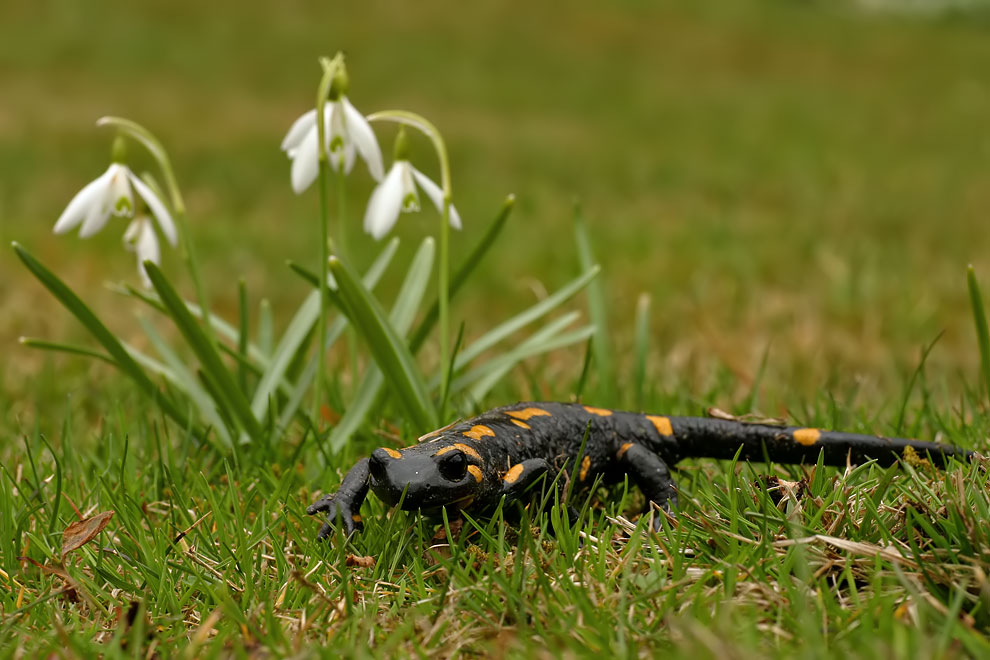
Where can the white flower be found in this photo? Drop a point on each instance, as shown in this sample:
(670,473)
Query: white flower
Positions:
(112,194)
(347,133)
(397,193)
(141,239)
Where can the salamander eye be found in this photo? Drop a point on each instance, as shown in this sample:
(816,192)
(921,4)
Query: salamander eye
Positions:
(453,466)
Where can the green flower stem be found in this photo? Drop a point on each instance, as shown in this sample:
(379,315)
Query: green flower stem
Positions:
(424,126)
(443,297)
(153,145)
(330,68)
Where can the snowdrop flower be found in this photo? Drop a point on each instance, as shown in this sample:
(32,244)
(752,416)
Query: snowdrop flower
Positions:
(397,193)
(140,238)
(347,133)
(112,194)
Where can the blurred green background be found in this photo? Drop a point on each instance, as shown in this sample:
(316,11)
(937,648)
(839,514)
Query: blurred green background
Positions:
(804,176)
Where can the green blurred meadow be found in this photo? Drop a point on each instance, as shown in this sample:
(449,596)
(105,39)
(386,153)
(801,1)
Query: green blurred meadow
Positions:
(796,184)
(804,178)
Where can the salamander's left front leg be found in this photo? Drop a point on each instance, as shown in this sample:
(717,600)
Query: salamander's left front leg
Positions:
(651,474)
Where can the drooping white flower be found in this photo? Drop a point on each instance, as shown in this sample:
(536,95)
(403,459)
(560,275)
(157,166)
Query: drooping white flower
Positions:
(397,193)
(112,194)
(347,133)
(141,239)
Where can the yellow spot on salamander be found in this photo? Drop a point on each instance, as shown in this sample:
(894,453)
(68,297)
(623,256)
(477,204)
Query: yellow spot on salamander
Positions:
(479,432)
(475,472)
(520,424)
(526,413)
(393,453)
(601,412)
(585,466)
(467,449)
(512,476)
(662,425)
(623,449)
(356,518)
(806,437)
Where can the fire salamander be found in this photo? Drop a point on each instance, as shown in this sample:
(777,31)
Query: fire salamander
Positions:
(472,465)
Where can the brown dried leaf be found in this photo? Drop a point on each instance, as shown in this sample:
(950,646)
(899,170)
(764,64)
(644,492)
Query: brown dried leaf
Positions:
(359,561)
(82,532)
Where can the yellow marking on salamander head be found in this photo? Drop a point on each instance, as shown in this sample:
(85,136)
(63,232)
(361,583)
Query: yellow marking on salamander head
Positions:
(392,452)
(601,412)
(662,425)
(526,413)
(623,449)
(806,437)
(512,476)
(475,472)
(585,466)
(521,424)
(467,449)
(478,432)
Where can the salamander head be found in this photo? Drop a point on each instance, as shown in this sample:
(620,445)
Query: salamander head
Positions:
(431,475)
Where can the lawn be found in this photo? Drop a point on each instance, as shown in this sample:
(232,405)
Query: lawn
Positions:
(798,187)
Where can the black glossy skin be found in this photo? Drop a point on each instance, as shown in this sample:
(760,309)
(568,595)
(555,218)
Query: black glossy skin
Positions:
(472,465)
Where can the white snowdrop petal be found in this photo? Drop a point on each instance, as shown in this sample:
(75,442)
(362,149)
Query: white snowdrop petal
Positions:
(363,137)
(385,204)
(298,131)
(431,189)
(81,203)
(120,189)
(455,217)
(305,165)
(158,209)
(99,211)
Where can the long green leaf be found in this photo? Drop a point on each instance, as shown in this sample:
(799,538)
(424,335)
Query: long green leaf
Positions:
(100,332)
(475,257)
(401,317)
(389,351)
(641,348)
(598,310)
(219,326)
(58,347)
(503,330)
(186,381)
(497,369)
(213,366)
(299,327)
(370,279)
(980,318)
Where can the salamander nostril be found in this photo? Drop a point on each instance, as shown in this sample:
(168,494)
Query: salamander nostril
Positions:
(376,464)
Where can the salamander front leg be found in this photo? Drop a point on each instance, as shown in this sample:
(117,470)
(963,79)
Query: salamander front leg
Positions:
(522,476)
(651,474)
(344,506)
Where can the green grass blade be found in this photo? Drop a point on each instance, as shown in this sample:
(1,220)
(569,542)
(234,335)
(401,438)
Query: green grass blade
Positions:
(980,319)
(474,258)
(641,347)
(598,310)
(391,354)
(542,308)
(213,366)
(402,315)
(100,332)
